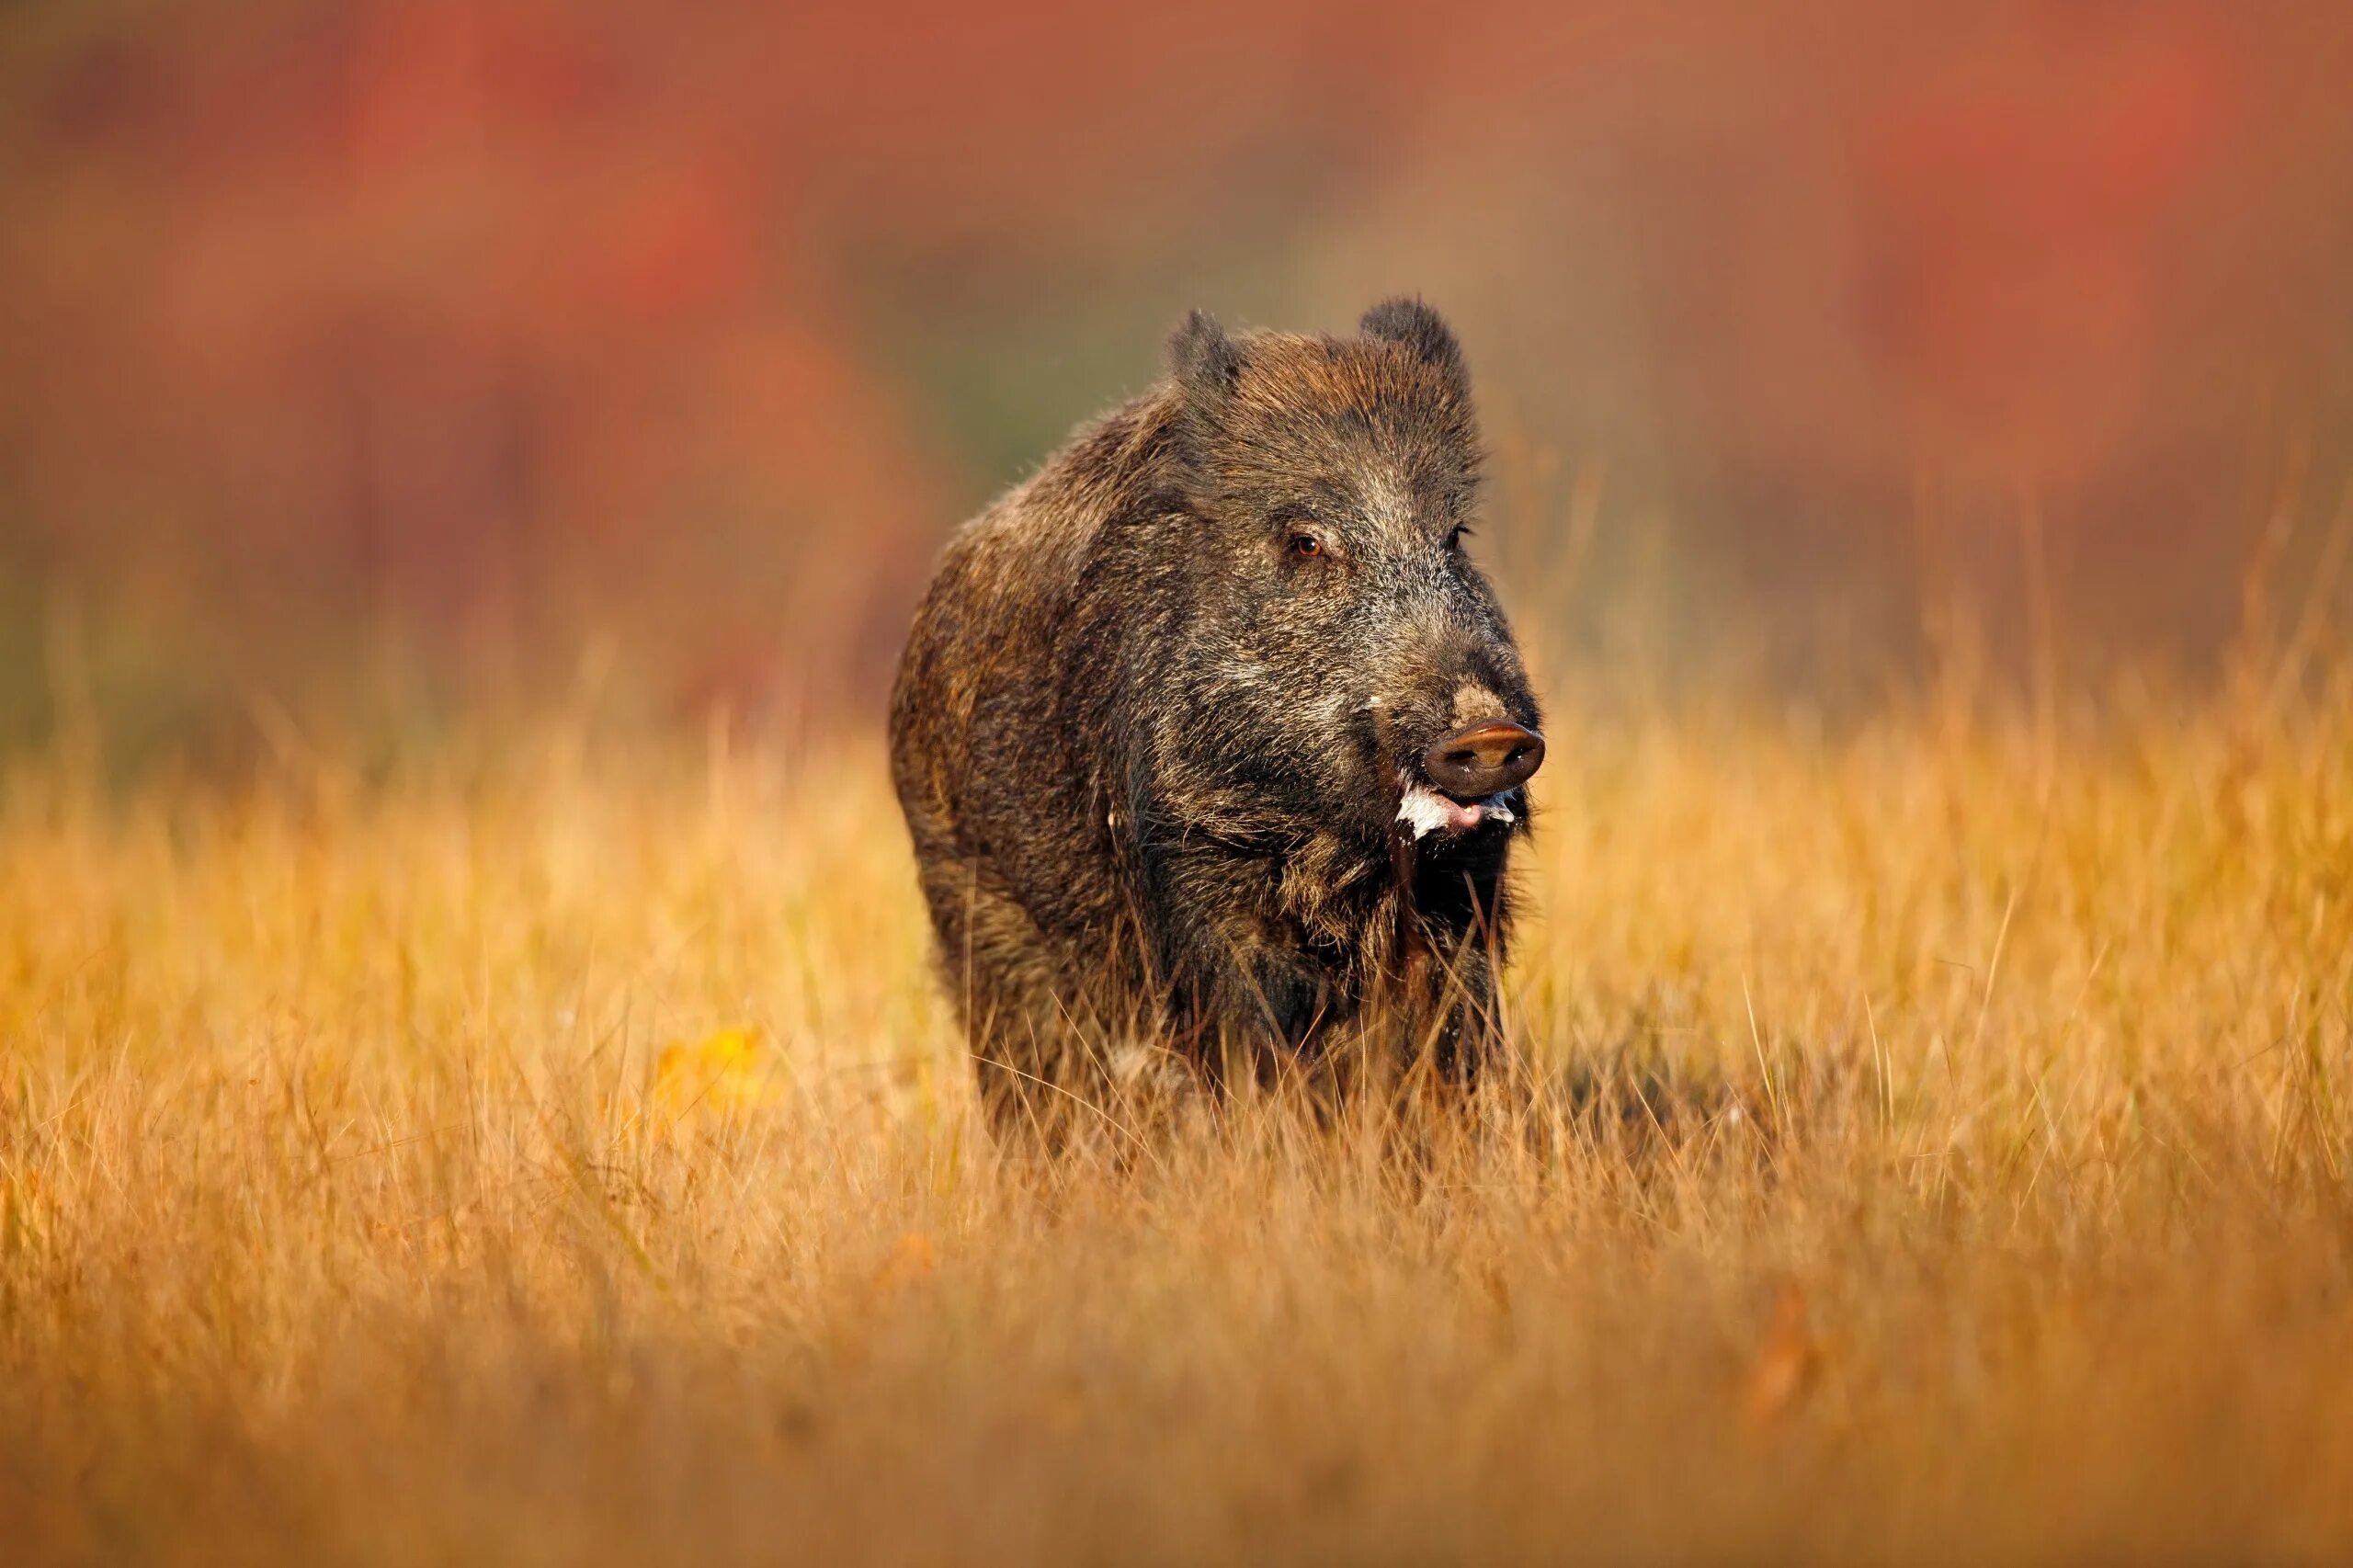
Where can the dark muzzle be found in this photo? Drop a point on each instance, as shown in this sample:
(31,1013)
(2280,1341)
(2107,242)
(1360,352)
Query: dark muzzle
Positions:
(1486,759)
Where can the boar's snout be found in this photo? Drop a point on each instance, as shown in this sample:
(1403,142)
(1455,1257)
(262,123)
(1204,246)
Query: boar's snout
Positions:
(1486,759)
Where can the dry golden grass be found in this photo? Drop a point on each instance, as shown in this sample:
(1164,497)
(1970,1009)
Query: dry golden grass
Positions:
(1939,1154)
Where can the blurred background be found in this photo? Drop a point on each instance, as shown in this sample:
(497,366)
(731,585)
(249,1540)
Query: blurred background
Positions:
(465,350)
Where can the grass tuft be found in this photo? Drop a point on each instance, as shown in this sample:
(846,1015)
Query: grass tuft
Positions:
(1930,1145)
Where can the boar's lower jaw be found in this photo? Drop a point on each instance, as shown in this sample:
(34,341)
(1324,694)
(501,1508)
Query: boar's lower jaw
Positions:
(1425,811)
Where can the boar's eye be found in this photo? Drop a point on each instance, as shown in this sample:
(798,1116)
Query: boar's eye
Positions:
(1305,546)
(1456,535)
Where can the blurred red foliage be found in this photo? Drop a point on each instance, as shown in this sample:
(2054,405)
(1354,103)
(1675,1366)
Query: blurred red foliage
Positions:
(507,321)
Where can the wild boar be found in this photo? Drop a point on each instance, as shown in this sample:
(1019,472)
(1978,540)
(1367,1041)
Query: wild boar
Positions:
(1212,739)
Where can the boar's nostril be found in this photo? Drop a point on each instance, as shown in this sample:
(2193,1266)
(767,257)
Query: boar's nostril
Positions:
(1486,759)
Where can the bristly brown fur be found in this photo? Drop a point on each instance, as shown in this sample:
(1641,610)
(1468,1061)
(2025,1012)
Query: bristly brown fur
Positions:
(1149,752)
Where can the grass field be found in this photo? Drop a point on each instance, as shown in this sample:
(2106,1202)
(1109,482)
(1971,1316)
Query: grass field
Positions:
(554,1149)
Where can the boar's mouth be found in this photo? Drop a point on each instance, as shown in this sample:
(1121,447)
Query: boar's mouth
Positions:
(1422,810)
(1460,783)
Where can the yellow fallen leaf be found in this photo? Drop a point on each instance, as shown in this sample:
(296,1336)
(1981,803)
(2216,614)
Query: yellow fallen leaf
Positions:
(723,1073)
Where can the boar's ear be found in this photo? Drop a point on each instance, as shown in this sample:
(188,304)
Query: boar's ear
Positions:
(1419,328)
(1204,361)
